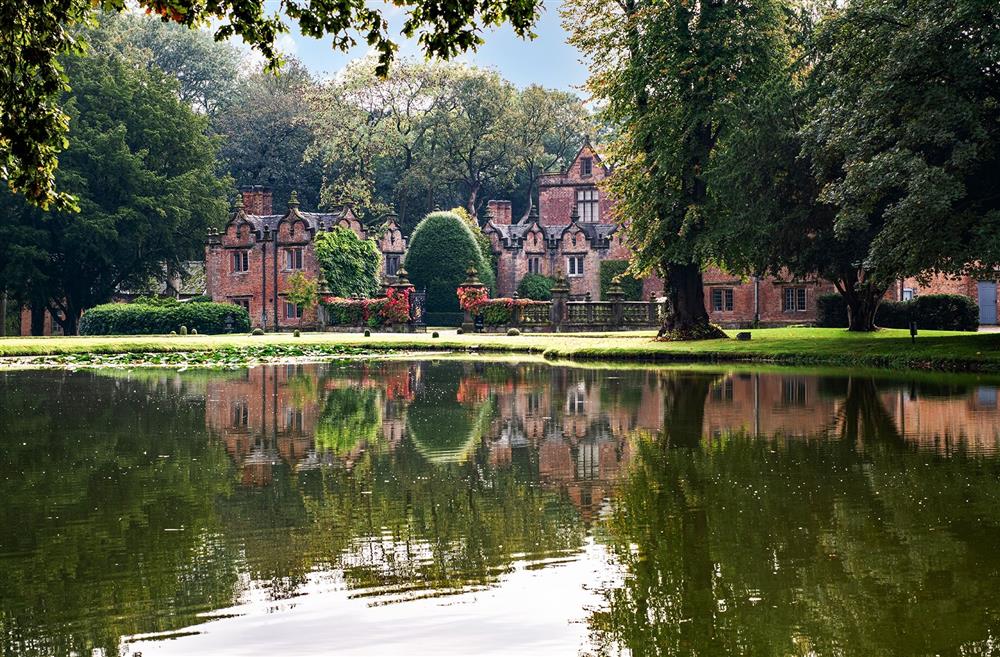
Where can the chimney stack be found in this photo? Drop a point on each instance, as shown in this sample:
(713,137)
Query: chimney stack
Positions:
(500,211)
(257,200)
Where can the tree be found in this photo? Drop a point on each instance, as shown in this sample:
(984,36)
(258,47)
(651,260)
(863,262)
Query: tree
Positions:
(871,160)
(144,173)
(548,128)
(265,131)
(437,234)
(673,77)
(302,290)
(33,126)
(350,265)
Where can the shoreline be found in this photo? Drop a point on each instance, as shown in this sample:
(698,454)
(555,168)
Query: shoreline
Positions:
(887,349)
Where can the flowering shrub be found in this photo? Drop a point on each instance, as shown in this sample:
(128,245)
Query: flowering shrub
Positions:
(471,299)
(394,308)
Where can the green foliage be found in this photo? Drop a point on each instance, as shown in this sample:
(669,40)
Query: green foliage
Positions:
(138,319)
(144,172)
(257,331)
(496,314)
(302,290)
(155,301)
(440,251)
(536,287)
(513,331)
(946,312)
(831,311)
(356,312)
(351,416)
(350,265)
(34,127)
(612,269)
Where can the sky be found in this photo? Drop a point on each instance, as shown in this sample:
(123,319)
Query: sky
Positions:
(546,60)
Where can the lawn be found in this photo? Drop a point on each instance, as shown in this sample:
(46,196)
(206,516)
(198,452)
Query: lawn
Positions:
(886,348)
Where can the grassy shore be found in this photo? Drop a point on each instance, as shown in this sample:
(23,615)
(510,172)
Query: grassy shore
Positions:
(938,350)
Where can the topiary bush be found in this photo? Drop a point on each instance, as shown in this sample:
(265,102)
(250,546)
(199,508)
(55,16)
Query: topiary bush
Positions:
(350,265)
(142,319)
(536,287)
(610,269)
(441,248)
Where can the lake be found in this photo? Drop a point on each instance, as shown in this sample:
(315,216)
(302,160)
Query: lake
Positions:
(440,507)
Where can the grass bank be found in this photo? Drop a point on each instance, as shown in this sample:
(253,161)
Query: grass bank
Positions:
(934,350)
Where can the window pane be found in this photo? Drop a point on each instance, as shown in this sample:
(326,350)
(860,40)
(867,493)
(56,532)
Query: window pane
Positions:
(801,298)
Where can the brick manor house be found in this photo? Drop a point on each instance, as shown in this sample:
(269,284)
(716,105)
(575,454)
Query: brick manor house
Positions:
(571,233)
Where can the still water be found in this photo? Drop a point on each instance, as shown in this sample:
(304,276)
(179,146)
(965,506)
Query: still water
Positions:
(456,507)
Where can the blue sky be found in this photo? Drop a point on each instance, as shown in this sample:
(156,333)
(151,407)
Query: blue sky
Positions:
(547,60)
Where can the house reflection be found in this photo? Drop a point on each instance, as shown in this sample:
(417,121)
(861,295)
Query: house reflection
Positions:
(569,427)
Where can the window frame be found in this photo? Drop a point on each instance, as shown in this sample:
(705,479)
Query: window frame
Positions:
(586,166)
(239,262)
(534,265)
(574,266)
(726,299)
(297,310)
(794,299)
(294,258)
(394,261)
(588,205)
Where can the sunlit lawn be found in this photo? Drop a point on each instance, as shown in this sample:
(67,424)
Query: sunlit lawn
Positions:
(888,347)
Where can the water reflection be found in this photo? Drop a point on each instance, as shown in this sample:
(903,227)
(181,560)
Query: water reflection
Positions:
(722,512)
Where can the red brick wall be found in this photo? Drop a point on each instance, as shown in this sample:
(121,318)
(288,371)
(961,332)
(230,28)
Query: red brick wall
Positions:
(770,299)
(500,211)
(257,200)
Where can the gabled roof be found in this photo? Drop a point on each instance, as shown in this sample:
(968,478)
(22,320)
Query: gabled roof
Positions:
(597,156)
(313,220)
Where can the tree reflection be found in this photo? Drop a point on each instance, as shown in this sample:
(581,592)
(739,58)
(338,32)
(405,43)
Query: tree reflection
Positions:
(763,546)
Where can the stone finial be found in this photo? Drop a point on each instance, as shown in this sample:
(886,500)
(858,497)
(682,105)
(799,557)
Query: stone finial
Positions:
(574,216)
(533,214)
(293,201)
(616,291)
(238,206)
(561,284)
(472,276)
(401,276)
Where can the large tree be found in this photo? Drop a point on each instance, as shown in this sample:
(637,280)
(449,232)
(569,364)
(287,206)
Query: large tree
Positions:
(143,169)
(874,158)
(674,78)
(34,127)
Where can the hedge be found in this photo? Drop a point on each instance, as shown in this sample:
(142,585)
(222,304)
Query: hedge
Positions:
(946,312)
(143,319)
(610,269)
(441,248)
(350,265)
(536,287)
(394,308)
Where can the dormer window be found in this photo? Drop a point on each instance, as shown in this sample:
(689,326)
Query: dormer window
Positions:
(586,166)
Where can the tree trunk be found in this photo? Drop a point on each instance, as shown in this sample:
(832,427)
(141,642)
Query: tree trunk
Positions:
(862,298)
(471,203)
(37,318)
(686,318)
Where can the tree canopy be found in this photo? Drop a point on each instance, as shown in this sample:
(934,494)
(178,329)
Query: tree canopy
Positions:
(34,127)
(143,169)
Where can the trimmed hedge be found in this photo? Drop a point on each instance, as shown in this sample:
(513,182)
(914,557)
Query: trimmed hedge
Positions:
(536,287)
(441,248)
(945,312)
(632,287)
(143,319)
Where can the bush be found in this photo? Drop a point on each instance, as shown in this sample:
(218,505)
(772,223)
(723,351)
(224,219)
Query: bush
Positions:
(142,319)
(459,331)
(610,269)
(953,312)
(373,313)
(194,331)
(513,331)
(536,287)
(441,249)
(435,334)
(368,333)
(257,331)
(950,312)
(184,330)
(296,333)
(350,265)
(831,311)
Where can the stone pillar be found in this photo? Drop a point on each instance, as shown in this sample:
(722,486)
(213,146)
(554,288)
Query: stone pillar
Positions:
(471,282)
(401,286)
(616,295)
(560,299)
(515,312)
